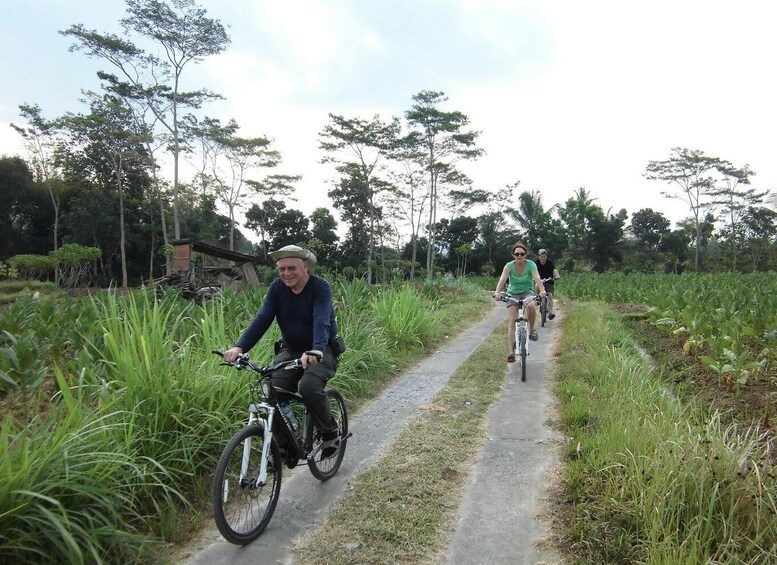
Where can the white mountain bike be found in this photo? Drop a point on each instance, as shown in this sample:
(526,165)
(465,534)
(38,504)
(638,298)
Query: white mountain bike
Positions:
(521,330)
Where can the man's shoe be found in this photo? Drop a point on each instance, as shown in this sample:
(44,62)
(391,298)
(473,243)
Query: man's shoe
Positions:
(551,316)
(330,443)
(330,448)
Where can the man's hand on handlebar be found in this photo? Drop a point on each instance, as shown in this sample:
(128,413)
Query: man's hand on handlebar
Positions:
(231,355)
(311,358)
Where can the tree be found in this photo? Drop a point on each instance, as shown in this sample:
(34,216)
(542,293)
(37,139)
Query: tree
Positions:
(356,143)
(700,235)
(270,190)
(648,226)
(576,214)
(108,130)
(734,200)
(530,215)
(242,155)
(40,137)
(444,140)
(760,234)
(692,172)
(606,238)
(145,121)
(674,244)
(185,35)
(15,186)
(261,218)
(411,195)
(323,230)
(290,228)
(350,197)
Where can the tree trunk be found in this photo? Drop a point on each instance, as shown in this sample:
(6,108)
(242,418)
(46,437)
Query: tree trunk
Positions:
(413,258)
(122,232)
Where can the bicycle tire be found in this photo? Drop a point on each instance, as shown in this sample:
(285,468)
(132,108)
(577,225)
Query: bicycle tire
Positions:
(544,310)
(522,351)
(325,468)
(242,511)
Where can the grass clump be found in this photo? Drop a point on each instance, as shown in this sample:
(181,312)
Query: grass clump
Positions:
(647,479)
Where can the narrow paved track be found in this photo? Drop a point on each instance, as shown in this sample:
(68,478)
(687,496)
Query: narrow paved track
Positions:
(497,521)
(304,500)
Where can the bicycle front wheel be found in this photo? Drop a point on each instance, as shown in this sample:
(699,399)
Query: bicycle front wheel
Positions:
(522,351)
(242,506)
(544,310)
(324,468)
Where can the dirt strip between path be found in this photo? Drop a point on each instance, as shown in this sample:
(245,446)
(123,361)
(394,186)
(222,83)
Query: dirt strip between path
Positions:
(509,467)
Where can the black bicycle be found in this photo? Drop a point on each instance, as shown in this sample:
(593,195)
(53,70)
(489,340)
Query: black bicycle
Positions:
(544,303)
(247,484)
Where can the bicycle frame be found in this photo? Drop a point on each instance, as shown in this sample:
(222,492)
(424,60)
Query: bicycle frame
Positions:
(522,320)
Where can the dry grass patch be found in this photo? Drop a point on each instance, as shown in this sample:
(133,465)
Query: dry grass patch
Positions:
(404,508)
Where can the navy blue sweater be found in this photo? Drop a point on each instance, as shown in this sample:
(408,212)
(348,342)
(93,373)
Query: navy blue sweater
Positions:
(306,320)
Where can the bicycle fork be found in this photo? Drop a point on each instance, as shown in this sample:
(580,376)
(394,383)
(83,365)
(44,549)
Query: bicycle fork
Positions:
(253,416)
(522,322)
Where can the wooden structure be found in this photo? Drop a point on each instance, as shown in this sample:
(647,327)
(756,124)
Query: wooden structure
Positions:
(183,261)
(200,282)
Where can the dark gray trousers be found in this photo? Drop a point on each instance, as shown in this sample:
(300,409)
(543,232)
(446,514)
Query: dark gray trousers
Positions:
(310,383)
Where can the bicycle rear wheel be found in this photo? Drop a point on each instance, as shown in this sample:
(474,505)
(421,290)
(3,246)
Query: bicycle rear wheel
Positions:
(242,507)
(522,352)
(324,468)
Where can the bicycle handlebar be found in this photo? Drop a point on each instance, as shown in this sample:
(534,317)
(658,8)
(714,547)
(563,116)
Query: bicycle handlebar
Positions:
(508,298)
(242,362)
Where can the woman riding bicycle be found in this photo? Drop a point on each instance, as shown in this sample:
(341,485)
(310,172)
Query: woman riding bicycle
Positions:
(522,276)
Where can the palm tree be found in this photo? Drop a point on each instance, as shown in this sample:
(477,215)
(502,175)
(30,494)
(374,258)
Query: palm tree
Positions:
(529,215)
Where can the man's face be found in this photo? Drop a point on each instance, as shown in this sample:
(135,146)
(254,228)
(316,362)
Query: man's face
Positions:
(292,271)
(543,258)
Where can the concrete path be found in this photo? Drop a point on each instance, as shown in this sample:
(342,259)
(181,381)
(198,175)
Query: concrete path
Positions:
(304,500)
(497,524)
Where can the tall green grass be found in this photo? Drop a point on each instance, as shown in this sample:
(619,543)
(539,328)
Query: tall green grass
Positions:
(136,409)
(648,480)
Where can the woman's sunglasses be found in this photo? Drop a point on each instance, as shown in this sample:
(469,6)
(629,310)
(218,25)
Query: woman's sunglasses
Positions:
(519,254)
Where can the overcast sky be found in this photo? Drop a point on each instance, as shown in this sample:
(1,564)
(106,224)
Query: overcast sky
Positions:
(567,94)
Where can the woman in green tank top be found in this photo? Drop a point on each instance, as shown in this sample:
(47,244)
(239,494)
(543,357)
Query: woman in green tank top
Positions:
(522,275)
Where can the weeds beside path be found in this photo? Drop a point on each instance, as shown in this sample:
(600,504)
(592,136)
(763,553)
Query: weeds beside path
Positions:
(648,477)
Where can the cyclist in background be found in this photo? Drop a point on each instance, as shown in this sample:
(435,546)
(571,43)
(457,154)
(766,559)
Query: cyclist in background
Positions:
(547,270)
(521,276)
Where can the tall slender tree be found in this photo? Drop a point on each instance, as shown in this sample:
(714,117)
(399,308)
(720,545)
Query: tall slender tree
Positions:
(410,197)
(41,138)
(692,172)
(185,34)
(354,142)
(734,198)
(445,141)
(270,191)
